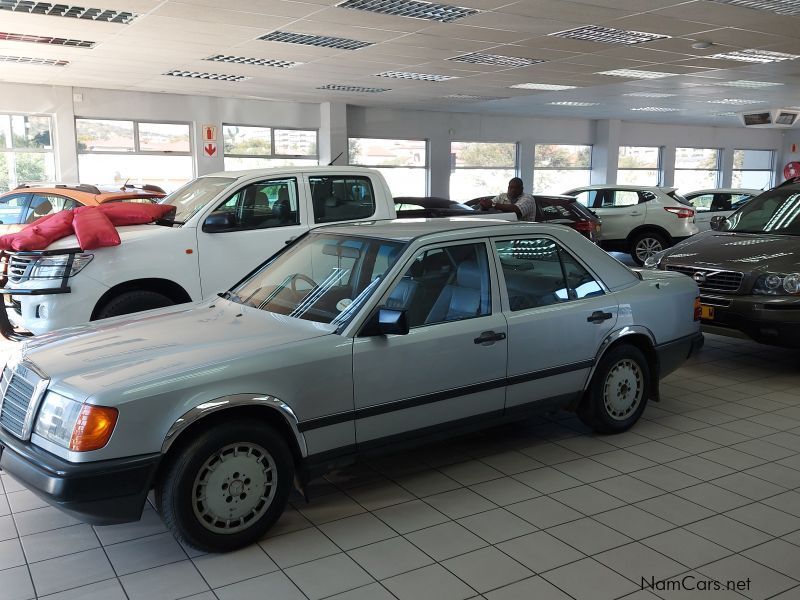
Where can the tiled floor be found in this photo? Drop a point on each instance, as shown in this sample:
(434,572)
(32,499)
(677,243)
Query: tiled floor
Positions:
(707,485)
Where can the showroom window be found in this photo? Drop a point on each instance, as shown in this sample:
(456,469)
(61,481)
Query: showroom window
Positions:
(26,150)
(403,163)
(559,167)
(639,165)
(696,168)
(753,169)
(248,147)
(138,152)
(480,169)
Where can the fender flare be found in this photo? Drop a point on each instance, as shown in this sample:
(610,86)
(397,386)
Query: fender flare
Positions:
(621,334)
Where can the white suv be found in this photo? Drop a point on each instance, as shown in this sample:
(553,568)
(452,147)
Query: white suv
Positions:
(718,202)
(641,220)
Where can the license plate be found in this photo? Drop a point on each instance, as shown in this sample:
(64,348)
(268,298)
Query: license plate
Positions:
(706,312)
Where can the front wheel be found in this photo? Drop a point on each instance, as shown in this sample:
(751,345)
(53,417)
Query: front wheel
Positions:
(227,487)
(618,391)
(645,245)
(133,301)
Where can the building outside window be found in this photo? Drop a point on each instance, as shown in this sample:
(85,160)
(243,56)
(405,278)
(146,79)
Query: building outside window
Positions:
(480,169)
(753,169)
(696,169)
(403,163)
(136,152)
(248,147)
(560,167)
(26,150)
(639,165)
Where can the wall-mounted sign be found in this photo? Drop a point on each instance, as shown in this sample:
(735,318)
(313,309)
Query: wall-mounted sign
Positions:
(210,149)
(209,133)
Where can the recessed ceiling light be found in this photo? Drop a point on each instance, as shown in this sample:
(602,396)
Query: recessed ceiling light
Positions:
(415,76)
(736,101)
(650,95)
(548,87)
(64,10)
(27,60)
(657,109)
(635,74)
(42,39)
(570,103)
(754,55)
(607,35)
(352,88)
(321,41)
(482,58)
(259,62)
(430,11)
(471,98)
(743,83)
(206,76)
(781,7)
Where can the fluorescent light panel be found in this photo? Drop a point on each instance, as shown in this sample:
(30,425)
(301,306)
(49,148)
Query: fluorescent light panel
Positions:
(547,87)
(64,10)
(258,62)
(206,76)
(608,35)
(635,74)
(571,103)
(743,83)
(42,39)
(754,55)
(320,41)
(735,101)
(657,109)
(430,11)
(780,7)
(650,95)
(27,60)
(483,58)
(415,76)
(352,88)
(471,98)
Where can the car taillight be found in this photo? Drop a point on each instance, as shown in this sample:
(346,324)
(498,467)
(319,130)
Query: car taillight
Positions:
(697,309)
(583,225)
(682,213)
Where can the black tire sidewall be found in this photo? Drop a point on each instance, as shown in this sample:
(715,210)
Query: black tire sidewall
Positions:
(132,302)
(645,235)
(175,489)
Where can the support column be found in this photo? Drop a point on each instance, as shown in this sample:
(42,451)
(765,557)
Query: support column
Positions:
(332,133)
(605,153)
(726,167)
(668,166)
(439,166)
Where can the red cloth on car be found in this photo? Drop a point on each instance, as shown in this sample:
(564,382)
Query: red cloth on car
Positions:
(94,226)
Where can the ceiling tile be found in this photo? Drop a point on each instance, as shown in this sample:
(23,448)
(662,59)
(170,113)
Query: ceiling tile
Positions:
(563,10)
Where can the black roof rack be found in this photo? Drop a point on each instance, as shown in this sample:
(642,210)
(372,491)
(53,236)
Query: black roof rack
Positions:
(81,187)
(147,187)
(93,189)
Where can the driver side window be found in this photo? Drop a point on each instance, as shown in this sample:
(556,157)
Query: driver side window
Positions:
(262,205)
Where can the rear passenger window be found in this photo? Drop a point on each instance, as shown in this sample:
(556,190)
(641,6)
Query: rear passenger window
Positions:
(48,204)
(538,272)
(342,198)
(625,198)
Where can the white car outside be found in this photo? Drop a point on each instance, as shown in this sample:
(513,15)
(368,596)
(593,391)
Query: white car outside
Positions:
(640,220)
(720,202)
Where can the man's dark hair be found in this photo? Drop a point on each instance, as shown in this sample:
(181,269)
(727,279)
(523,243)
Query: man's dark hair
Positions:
(516,180)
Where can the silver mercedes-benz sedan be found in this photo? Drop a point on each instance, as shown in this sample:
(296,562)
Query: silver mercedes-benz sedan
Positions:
(353,338)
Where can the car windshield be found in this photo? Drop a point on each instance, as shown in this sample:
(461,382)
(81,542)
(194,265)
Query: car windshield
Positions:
(322,278)
(195,195)
(776,211)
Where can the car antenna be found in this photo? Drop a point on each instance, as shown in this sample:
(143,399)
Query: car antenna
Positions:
(124,185)
(330,164)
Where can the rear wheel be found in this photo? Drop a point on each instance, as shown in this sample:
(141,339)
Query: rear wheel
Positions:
(132,302)
(645,244)
(618,392)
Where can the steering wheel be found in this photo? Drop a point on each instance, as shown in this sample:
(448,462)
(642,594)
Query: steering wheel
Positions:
(306,278)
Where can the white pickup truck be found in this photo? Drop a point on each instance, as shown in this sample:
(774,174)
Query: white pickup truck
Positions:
(225,225)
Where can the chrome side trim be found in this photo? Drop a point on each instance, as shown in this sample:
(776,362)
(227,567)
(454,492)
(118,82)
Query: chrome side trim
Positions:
(226,402)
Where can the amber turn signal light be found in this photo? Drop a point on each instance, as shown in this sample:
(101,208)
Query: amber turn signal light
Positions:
(94,428)
(698,310)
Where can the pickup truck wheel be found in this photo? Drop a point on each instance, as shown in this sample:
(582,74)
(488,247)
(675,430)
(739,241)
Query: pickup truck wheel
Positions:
(645,244)
(227,487)
(132,302)
(618,391)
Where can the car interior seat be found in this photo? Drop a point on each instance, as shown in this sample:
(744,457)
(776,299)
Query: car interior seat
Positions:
(465,298)
(40,210)
(721,202)
(282,209)
(319,198)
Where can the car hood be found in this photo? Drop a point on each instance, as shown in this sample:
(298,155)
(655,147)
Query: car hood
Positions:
(190,341)
(127,233)
(743,252)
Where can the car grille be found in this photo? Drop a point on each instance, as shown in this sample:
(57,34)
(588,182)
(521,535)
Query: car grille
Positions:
(18,394)
(19,266)
(721,281)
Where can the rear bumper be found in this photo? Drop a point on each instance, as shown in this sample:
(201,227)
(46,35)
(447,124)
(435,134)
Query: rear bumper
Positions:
(673,354)
(101,493)
(774,321)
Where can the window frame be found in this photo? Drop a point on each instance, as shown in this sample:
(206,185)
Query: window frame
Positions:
(9,149)
(272,155)
(582,168)
(426,168)
(659,168)
(454,168)
(717,168)
(136,145)
(770,170)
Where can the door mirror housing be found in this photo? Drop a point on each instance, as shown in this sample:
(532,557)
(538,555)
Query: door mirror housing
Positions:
(386,321)
(719,223)
(219,221)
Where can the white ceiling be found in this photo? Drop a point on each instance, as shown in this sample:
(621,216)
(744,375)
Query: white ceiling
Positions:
(171,34)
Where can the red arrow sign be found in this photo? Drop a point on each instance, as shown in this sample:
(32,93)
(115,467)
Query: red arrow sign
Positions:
(210,149)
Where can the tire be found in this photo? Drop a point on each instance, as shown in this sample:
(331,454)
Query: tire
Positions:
(132,302)
(646,244)
(234,503)
(618,392)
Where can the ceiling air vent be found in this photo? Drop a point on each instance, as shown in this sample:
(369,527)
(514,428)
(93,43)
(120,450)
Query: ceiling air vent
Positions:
(64,10)
(635,74)
(754,55)
(430,11)
(656,109)
(415,76)
(321,41)
(735,101)
(649,95)
(352,88)
(607,35)
(573,103)
(482,58)
(545,87)
(753,85)
(780,7)
(42,39)
(27,60)
(471,98)
(778,118)
(258,62)
(207,76)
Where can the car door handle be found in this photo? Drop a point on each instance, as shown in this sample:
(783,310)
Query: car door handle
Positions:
(599,316)
(290,240)
(489,337)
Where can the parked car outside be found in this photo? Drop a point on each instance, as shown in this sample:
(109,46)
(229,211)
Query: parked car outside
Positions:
(27,203)
(717,203)
(749,270)
(640,220)
(560,210)
(353,338)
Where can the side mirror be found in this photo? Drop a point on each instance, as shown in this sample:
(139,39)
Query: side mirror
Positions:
(219,221)
(386,321)
(719,223)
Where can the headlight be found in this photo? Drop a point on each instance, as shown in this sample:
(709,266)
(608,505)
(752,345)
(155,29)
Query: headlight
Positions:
(52,267)
(652,261)
(778,284)
(69,424)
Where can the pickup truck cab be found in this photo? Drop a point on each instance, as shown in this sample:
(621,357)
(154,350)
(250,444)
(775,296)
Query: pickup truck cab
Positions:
(225,225)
